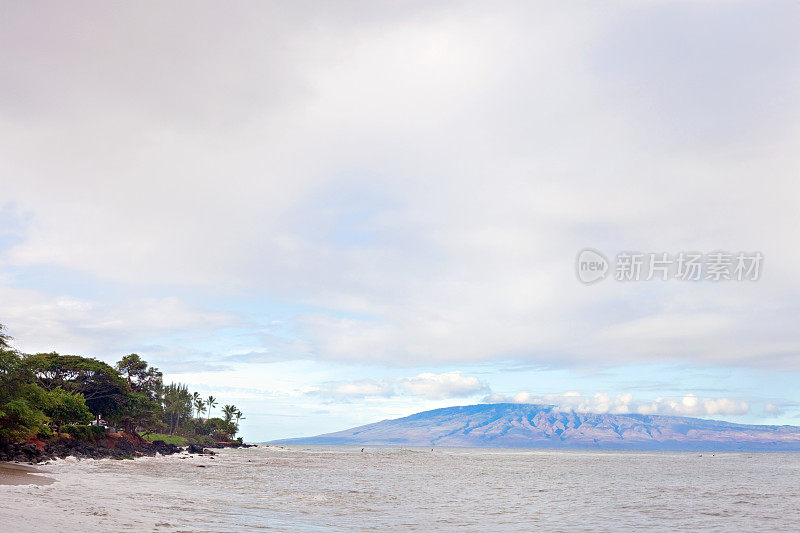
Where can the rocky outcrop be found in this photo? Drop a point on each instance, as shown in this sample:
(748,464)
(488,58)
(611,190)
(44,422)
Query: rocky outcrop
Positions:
(233,444)
(119,445)
(115,446)
(195,448)
(22,452)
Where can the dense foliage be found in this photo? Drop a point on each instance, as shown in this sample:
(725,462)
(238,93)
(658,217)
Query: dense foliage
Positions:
(47,393)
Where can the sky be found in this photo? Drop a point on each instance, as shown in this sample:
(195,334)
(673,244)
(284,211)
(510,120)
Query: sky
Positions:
(333,213)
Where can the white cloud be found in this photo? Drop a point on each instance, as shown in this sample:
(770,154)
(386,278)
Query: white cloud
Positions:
(42,322)
(359,389)
(441,386)
(427,172)
(427,385)
(688,405)
(691,405)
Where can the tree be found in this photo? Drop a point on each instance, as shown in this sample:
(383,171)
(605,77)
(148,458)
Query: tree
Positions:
(63,389)
(132,367)
(177,404)
(210,402)
(21,400)
(238,416)
(4,339)
(141,377)
(229,411)
(20,418)
(140,412)
(103,388)
(219,429)
(195,397)
(199,405)
(141,407)
(64,407)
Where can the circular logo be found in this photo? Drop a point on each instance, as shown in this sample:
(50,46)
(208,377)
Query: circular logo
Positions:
(591,266)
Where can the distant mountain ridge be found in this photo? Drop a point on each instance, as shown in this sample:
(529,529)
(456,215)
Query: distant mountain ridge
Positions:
(544,426)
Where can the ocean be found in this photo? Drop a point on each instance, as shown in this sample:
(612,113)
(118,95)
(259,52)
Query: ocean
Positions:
(307,488)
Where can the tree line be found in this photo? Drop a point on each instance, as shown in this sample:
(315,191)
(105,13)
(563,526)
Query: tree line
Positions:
(40,394)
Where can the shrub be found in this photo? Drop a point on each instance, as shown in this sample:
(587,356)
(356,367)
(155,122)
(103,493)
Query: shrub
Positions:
(85,433)
(64,407)
(169,439)
(206,440)
(18,420)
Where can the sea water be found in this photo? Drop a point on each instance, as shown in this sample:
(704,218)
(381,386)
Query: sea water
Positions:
(307,488)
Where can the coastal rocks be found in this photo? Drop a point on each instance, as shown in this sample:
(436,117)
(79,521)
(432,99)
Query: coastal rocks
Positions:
(200,450)
(165,449)
(116,446)
(233,444)
(194,448)
(22,452)
(66,447)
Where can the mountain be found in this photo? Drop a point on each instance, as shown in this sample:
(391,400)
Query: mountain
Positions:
(544,426)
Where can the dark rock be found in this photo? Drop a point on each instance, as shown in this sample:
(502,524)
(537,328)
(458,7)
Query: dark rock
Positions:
(165,449)
(233,444)
(194,448)
(22,452)
(121,446)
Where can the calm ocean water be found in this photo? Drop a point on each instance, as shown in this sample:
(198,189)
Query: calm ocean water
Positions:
(334,489)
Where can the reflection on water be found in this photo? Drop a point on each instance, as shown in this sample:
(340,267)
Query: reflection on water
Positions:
(324,488)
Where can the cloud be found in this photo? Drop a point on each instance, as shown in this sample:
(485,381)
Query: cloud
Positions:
(42,322)
(358,389)
(772,410)
(427,385)
(691,405)
(417,178)
(442,386)
(688,405)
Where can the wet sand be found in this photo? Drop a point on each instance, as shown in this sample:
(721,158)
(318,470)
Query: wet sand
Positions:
(14,474)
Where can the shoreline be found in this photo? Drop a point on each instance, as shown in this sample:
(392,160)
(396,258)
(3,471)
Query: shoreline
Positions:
(16,474)
(113,446)
(23,472)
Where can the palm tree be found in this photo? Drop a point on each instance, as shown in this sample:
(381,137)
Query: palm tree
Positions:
(199,405)
(210,402)
(229,411)
(195,397)
(177,404)
(238,416)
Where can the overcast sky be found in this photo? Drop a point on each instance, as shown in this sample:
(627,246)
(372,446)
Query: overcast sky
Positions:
(331,213)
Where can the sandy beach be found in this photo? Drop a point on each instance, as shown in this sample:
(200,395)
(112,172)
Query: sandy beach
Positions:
(15,474)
